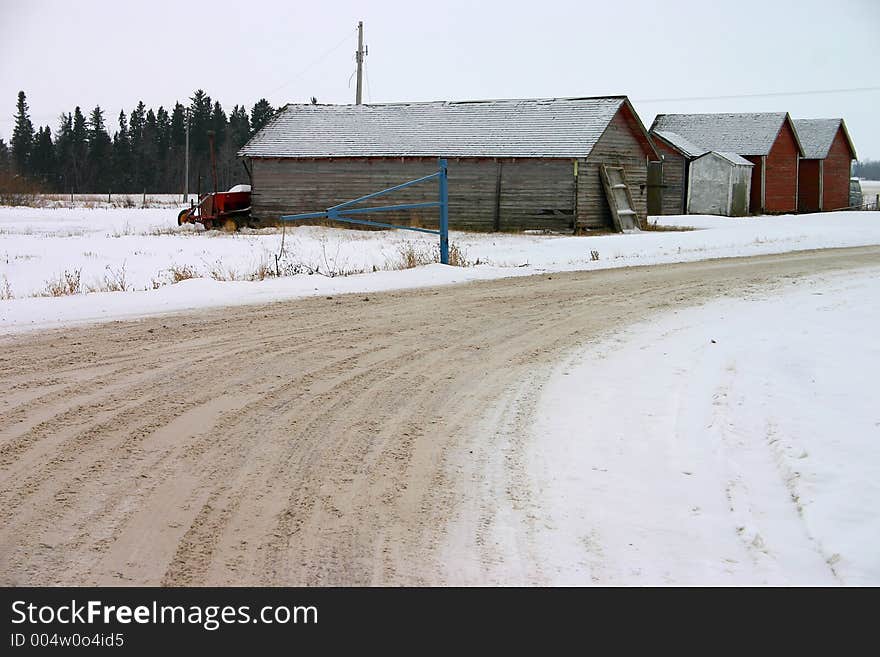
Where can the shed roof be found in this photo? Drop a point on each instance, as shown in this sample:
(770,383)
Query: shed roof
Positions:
(817,135)
(745,134)
(733,158)
(680,143)
(553,127)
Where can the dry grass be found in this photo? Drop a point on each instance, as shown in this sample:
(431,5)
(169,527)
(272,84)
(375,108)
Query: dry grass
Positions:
(67,283)
(182,273)
(6,290)
(653,226)
(114,281)
(416,254)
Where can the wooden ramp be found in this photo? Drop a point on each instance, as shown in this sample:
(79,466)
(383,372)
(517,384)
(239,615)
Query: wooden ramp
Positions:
(623,211)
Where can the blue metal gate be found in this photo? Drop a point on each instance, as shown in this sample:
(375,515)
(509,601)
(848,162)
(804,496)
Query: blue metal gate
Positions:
(337,211)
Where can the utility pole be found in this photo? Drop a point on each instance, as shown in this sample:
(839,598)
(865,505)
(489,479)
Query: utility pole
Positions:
(360,62)
(186,165)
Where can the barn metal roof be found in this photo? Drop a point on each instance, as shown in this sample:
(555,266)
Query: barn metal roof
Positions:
(554,127)
(817,135)
(745,134)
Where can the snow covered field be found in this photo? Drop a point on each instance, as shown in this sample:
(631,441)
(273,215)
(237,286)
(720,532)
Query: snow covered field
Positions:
(144,251)
(734,443)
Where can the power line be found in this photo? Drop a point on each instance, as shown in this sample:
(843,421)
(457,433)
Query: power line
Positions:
(762,95)
(318,60)
(367,76)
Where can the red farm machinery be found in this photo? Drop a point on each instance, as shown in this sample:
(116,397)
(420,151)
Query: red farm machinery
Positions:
(222,210)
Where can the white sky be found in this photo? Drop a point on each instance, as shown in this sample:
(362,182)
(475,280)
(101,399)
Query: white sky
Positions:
(64,54)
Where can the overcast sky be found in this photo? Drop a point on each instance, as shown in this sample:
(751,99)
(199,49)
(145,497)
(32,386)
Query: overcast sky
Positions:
(112,54)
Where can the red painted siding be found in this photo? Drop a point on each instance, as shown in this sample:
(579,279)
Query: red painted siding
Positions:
(755,193)
(808,186)
(780,194)
(837,173)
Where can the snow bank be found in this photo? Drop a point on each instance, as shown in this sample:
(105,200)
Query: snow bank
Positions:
(734,443)
(142,246)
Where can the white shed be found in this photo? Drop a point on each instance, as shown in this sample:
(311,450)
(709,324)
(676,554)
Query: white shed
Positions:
(719,183)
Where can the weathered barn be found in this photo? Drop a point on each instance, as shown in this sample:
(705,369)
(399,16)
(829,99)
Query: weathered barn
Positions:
(512,164)
(824,171)
(767,140)
(701,181)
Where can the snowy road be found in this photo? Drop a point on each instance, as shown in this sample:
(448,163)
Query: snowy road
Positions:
(732,443)
(389,439)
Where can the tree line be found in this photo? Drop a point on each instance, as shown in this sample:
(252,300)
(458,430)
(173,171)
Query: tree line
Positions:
(145,152)
(869,169)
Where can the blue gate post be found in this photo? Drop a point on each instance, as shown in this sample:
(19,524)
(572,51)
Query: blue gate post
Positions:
(444,214)
(333,213)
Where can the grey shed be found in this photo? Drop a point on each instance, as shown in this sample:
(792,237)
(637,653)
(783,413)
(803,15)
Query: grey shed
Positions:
(719,183)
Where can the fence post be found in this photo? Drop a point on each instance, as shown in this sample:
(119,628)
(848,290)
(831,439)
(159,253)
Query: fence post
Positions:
(444,214)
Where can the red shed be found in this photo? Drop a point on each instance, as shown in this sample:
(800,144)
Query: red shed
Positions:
(824,171)
(767,140)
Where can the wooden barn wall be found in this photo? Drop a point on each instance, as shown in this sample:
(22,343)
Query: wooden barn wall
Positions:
(780,194)
(621,144)
(837,169)
(674,182)
(808,186)
(532,194)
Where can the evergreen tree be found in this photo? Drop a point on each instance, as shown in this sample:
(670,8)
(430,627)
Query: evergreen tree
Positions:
(5,160)
(122,179)
(218,125)
(22,136)
(261,114)
(174,169)
(162,148)
(100,153)
(200,122)
(137,121)
(64,152)
(79,145)
(239,127)
(43,158)
(146,152)
(149,152)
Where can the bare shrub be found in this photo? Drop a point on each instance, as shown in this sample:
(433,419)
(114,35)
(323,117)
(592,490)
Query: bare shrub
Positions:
(413,254)
(457,256)
(6,290)
(67,283)
(416,254)
(179,273)
(126,231)
(114,281)
(222,272)
(264,269)
(594,255)
(18,190)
